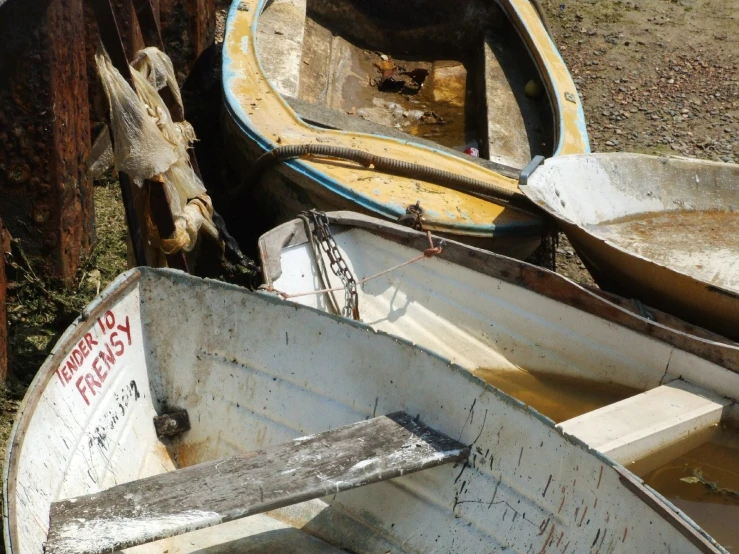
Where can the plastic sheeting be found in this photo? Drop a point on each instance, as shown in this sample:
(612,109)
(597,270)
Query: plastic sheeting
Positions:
(148,144)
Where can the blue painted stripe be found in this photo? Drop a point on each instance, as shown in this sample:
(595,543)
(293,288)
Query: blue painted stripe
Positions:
(390,210)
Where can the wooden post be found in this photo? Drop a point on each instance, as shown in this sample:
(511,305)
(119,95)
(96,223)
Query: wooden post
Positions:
(188,28)
(3,311)
(46,200)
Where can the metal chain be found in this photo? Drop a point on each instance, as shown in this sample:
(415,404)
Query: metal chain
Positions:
(337,263)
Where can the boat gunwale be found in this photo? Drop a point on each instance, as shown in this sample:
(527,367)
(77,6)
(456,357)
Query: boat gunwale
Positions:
(711,346)
(544,68)
(566,221)
(120,287)
(127,282)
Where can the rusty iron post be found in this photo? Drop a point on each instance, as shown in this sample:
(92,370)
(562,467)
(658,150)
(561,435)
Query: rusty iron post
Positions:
(46,200)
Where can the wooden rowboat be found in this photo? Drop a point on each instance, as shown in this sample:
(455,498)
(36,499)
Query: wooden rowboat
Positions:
(664,230)
(605,373)
(400,85)
(175,407)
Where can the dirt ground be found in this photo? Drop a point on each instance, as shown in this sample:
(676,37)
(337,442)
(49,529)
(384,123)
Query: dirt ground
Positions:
(655,76)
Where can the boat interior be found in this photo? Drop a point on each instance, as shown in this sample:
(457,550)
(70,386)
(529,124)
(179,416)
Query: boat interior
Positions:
(679,213)
(449,74)
(254,373)
(641,401)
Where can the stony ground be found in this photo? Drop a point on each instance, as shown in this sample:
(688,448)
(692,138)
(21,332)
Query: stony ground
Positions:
(655,76)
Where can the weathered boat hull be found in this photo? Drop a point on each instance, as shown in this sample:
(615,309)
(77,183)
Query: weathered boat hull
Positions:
(252,372)
(480,309)
(686,264)
(257,120)
(539,336)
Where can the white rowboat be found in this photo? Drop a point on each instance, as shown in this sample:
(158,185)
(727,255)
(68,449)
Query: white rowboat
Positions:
(254,374)
(505,320)
(665,230)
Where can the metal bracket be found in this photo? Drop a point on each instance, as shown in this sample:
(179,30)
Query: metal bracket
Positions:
(527,171)
(172,424)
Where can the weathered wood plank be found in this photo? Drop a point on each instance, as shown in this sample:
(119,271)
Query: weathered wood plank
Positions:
(216,492)
(46,199)
(3,311)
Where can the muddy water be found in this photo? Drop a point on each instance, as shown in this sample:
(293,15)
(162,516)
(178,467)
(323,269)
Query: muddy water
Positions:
(704,483)
(704,244)
(447,123)
(559,398)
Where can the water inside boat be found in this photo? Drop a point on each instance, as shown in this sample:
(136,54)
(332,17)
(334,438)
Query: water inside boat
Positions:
(703,243)
(455,73)
(704,483)
(557,397)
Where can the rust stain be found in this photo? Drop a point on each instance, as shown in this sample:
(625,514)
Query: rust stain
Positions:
(600,477)
(275,119)
(626,531)
(186,454)
(548,539)
(561,535)
(585,511)
(562,503)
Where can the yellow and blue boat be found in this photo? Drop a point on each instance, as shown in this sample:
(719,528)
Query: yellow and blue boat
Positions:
(376,106)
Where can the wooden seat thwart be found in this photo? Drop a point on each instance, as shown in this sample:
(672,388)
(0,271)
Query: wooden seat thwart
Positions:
(672,418)
(224,490)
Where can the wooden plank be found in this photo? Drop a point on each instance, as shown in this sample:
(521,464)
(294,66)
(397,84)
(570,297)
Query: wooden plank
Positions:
(649,422)
(216,492)
(46,199)
(188,27)
(3,311)
(507,141)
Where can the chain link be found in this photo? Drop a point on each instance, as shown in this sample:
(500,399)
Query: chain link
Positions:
(338,265)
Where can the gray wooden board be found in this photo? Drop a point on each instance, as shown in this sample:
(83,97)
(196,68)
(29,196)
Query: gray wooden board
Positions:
(216,492)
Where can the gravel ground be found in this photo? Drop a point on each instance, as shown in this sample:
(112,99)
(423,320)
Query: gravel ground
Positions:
(655,76)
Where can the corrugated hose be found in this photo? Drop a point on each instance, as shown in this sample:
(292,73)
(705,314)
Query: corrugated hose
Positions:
(460,183)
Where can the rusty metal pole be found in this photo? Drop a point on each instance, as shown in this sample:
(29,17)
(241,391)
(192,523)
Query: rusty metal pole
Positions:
(46,199)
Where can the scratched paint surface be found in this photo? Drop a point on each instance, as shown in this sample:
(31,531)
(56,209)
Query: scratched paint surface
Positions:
(91,428)
(269,372)
(253,371)
(573,136)
(256,103)
(477,320)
